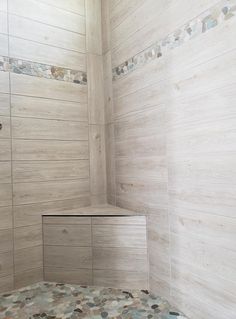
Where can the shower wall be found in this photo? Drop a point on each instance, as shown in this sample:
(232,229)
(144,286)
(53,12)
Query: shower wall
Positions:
(171,141)
(52,145)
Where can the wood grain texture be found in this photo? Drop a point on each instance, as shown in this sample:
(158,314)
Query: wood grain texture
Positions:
(95,89)
(26,237)
(31,214)
(27,128)
(97,159)
(61,220)
(6,240)
(68,276)
(68,257)
(45,34)
(25,258)
(28,277)
(4,104)
(26,193)
(6,284)
(123,259)
(93,26)
(52,89)
(67,235)
(41,12)
(5,172)
(42,53)
(6,264)
(120,279)
(25,106)
(76,6)
(6,217)
(119,236)
(49,170)
(48,150)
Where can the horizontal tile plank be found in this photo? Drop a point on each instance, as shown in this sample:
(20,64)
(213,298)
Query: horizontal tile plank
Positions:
(68,276)
(28,128)
(49,170)
(67,235)
(48,150)
(25,106)
(68,257)
(26,193)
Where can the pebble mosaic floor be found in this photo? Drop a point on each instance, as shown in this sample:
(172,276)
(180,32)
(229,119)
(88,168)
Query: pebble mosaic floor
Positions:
(62,301)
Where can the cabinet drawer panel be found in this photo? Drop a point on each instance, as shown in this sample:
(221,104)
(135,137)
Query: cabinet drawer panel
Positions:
(67,235)
(68,257)
(119,236)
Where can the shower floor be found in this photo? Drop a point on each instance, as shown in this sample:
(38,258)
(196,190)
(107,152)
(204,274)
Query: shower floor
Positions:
(62,301)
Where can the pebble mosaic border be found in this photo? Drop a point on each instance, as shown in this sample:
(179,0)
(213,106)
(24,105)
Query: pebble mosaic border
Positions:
(42,70)
(63,301)
(224,10)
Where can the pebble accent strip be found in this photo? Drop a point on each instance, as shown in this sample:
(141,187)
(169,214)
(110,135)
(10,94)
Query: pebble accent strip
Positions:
(224,10)
(42,70)
(63,301)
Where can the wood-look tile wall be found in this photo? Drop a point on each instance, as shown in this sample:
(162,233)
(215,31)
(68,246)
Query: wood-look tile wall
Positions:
(104,251)
(171,149)
(52,145)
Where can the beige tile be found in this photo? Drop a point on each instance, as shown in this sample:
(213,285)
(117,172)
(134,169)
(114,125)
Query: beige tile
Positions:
(6,284)
(41,12)
(5,195)
(6,264)
(6,241)
(95,89)
(25,215)
(49,170)
(119,220)
(29,236)
(55,220)
(4,82)
(120,279)
(5,172)
(48,150)
(119,236)
(26,193)
(25,259)
(28,277)
(43,53)
(5,150)
(4,103)
(6,128)
(6,217)
(97,159)
(68,257)
(45,34)
(52,89)
(93,26)
(3,24)
(127,259)
(67,235)
(69,276)
(29,128)
(76,6)
(25,106)
(4,44)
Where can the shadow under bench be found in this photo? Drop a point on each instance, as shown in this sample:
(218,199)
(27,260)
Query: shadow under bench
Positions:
(99,250)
